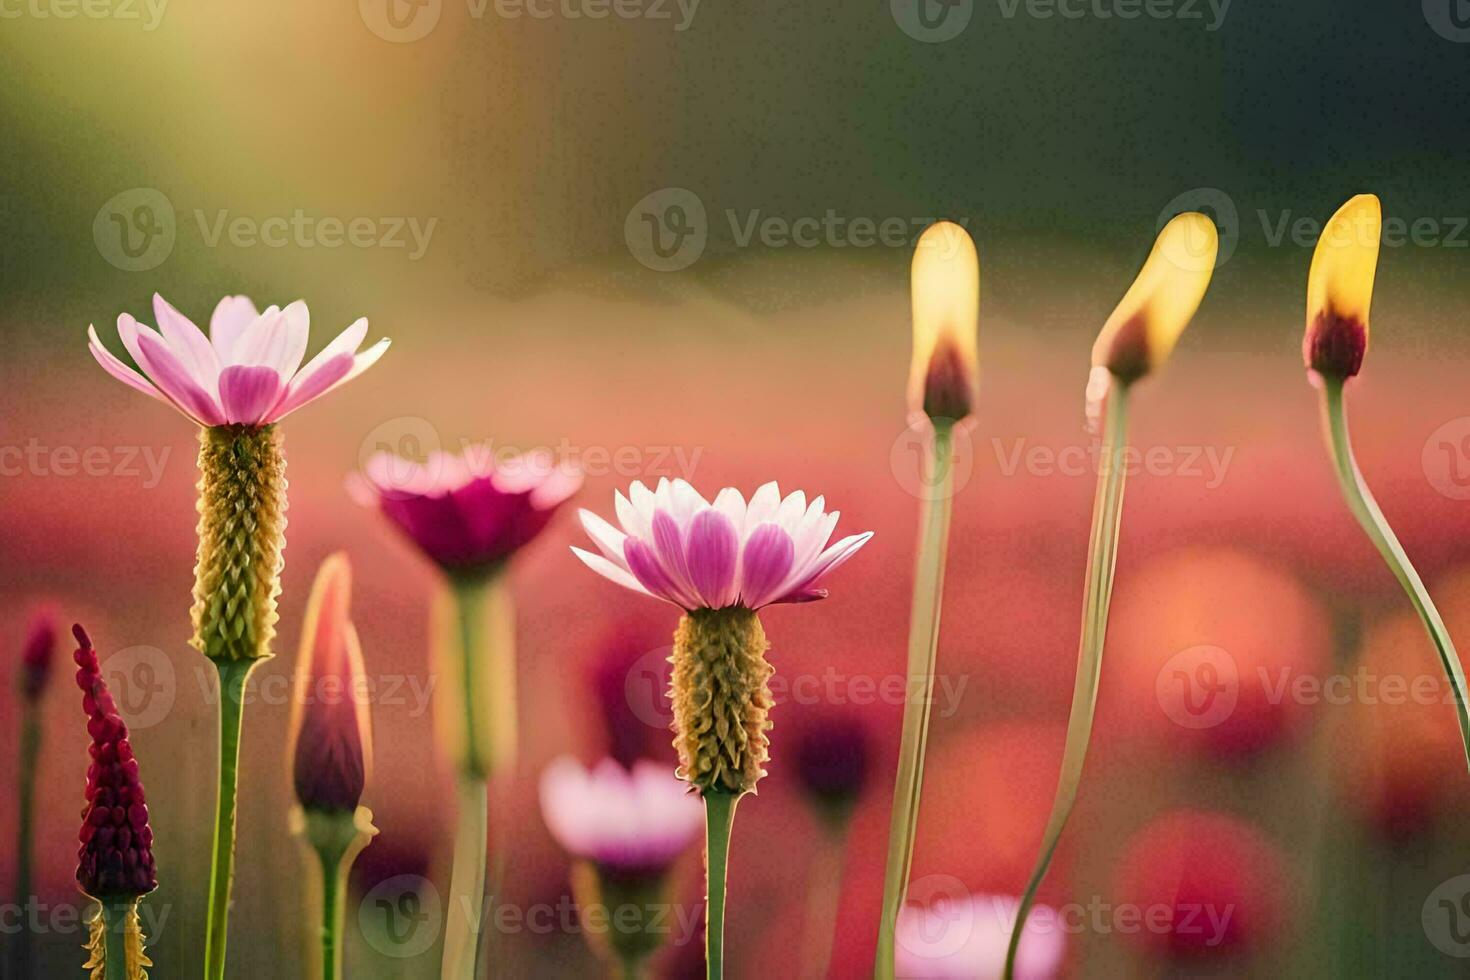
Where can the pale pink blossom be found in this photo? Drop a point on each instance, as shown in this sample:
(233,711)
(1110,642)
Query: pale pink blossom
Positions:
(248,370)
(633,822)
(675,545)
(964,937)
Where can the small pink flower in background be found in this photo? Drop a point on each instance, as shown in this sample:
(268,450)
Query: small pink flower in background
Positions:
(247,372)
(38,654)
(115,856)
(330,732)
(965,938)
(677,546)
(467,512)
(625,822)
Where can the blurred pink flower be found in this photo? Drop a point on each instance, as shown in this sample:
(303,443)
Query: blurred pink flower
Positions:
(246,372)
(677,546)
(331,738)
(467,512)
(634,822)
(965,937)
(37,654)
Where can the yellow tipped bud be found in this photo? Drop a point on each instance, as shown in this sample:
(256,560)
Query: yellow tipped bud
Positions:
(1340,289)
(1143,330)
(945,286)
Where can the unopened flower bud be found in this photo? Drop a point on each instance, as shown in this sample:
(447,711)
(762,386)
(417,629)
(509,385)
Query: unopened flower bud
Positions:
(945,285)
(1340,289)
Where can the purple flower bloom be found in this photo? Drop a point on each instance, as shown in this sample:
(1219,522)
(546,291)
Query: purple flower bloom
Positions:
(833,756)
(245,372)
(467,512)
(632,823)
(677,546)
(965,938)
(331,737)
(115,856)
(37,654)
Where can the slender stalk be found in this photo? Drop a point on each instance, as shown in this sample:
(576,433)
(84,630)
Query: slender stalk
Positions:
(334,883)
(232,678)
(485,659)
(1360,501)
(824,891)
(719,819)
(114,939)
(1107,508)
(923,647)
(30,749)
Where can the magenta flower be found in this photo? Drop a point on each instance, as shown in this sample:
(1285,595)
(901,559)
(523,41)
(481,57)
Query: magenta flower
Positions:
(115,856)
(468,512)
(37,654)
(677,546)
(626,823)
(245,372)
(965,938)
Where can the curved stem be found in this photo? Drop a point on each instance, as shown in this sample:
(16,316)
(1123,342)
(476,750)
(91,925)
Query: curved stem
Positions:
(923,648)
(466,882)
(232,677)
(719,819)
(1360,501)
(1102,552)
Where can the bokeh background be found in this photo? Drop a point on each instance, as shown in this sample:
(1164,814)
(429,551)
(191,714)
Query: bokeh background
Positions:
(1249,754)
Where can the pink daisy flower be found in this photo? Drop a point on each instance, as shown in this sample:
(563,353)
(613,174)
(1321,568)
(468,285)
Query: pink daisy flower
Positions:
(628,822)
(246,372)
(466,512)
(965,938)
(677,546)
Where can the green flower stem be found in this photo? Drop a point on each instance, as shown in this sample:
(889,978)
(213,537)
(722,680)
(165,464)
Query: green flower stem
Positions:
(114,938)
(719,819)
(334,883)
(1360,501)
(824,892)
(923,648)
(30,749)
(336,838)
(485,659)
(1098,593)
(233,675)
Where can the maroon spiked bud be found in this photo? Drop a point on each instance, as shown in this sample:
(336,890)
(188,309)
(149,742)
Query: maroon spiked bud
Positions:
(115,859)
(38,654)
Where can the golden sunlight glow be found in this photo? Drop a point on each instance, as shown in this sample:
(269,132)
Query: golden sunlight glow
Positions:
(945,288)
(1147,323)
